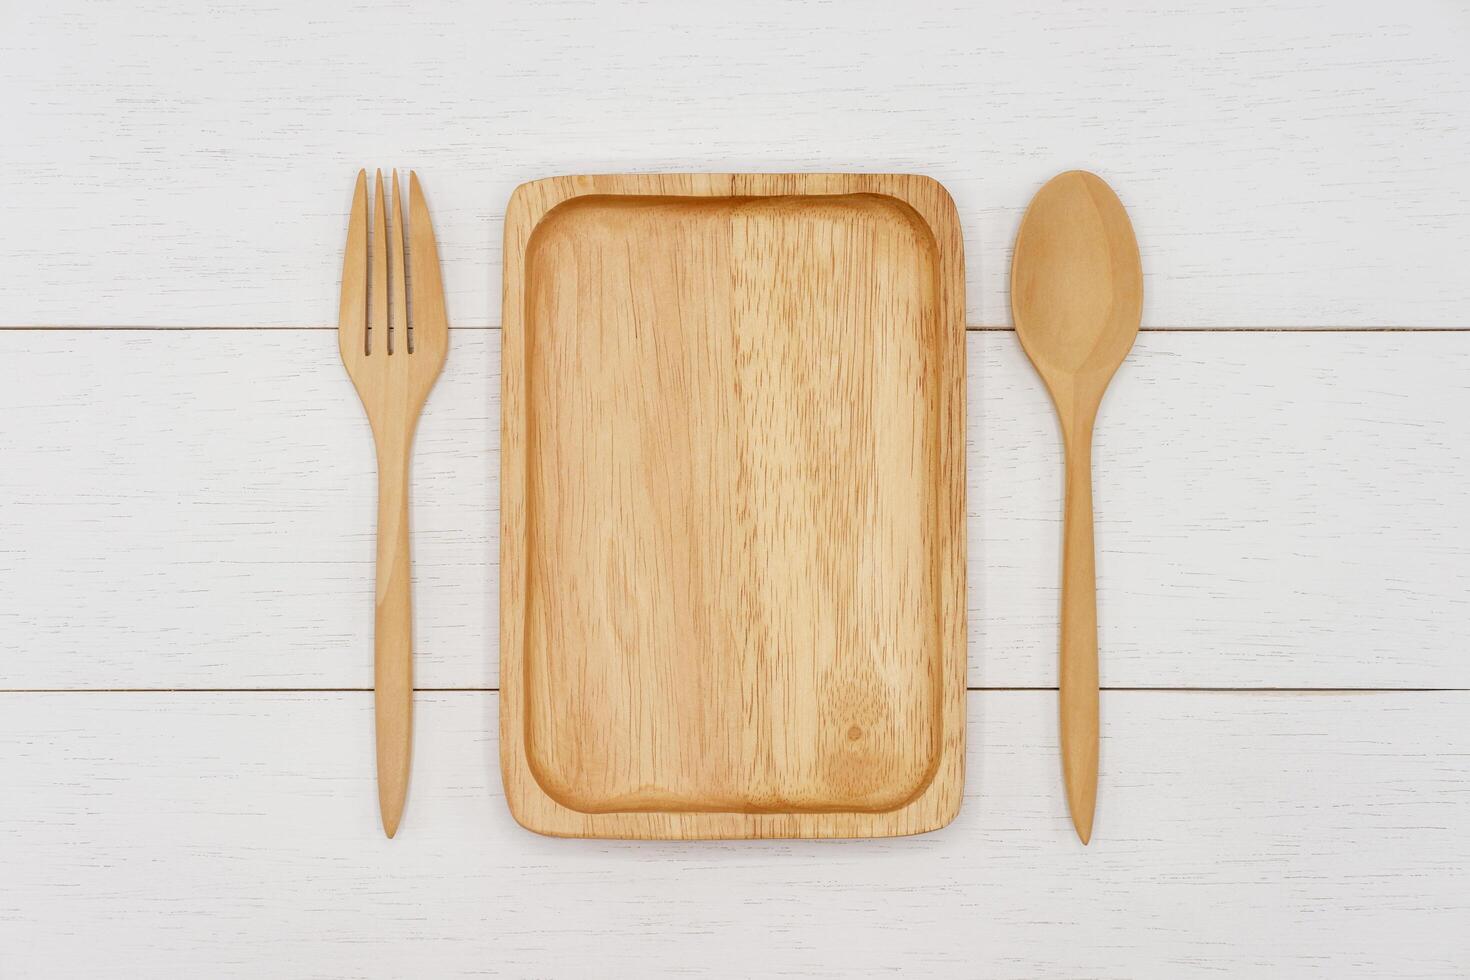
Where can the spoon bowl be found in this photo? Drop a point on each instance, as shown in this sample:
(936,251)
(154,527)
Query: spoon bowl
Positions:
(1076,282)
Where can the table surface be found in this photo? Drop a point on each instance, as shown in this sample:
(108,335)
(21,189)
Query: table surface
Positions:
(186,492)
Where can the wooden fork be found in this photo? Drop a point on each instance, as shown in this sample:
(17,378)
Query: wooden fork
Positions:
(393,350)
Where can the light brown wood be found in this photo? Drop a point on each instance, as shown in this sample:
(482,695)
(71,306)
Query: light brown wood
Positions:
(393,361)
(732,499)
(1077,298)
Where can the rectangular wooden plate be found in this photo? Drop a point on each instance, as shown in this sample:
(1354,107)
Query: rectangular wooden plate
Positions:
(732,506)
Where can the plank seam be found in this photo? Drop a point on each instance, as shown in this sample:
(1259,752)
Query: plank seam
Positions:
(971,328)
(496,690)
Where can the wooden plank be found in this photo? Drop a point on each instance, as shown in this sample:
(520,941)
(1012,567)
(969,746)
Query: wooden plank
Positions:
(236,835)
(200,513)
(192,163)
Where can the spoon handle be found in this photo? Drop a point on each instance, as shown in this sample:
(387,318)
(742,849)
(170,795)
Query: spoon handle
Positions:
(1078,675)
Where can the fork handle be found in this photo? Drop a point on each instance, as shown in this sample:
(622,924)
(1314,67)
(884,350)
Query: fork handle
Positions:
(393,634)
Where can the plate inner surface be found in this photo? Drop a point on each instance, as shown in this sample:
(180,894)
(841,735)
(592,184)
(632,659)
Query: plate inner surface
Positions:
(732,599)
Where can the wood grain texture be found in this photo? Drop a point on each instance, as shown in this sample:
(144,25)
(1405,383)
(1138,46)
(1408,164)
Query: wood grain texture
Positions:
(732,506)
(1309,543)
(1324,834)
(1286,164)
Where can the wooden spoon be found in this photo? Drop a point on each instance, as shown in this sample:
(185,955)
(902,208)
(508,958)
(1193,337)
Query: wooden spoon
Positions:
(1077,297)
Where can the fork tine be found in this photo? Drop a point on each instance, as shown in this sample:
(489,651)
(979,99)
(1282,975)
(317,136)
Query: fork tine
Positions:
(378,283)
(431,327)
(352,313)
(398,322)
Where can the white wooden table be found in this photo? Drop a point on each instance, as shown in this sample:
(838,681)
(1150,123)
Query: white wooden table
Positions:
(186,509)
